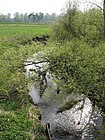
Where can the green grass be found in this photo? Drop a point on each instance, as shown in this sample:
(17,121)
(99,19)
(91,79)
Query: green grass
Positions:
(28,29)
(15,48)
(18,122)
(15,34)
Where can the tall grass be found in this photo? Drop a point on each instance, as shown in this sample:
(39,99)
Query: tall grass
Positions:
(18,118)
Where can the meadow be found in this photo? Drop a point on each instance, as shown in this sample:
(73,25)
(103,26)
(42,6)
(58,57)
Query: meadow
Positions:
(14,109)
(28,29)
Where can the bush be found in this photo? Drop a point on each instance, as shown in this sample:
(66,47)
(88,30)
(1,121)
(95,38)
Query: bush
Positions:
(73,23)
(81,69)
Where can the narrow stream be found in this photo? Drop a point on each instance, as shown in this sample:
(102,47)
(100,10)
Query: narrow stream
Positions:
(70,124)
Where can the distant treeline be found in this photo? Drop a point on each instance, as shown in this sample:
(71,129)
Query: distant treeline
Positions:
(32,17)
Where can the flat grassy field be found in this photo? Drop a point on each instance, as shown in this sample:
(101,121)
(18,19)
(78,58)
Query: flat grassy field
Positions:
(27,29)
(11,34)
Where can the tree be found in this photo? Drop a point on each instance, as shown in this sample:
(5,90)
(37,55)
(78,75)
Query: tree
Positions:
(104,18)
(8,17)
(65,27)
(53,16)
(26,17)
(103,10)
(21,17)
(77,64)
(68,17)
(16,17)
(46,17)
(31,17)
(40,16)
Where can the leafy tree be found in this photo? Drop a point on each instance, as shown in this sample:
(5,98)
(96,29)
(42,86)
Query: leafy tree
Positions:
(73,23)
(36,17)
(53,16)
(21,17)
(103,11)
(64,27)
(46,17)
(8,17)
(26,17)
(16,17)
(32,17)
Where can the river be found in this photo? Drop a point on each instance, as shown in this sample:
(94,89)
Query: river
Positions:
(81,122)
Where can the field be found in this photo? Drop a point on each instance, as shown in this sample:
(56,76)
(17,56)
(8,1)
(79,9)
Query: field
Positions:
(15,121)
(28,29)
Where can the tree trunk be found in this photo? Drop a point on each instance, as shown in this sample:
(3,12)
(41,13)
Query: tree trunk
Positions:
(104,18)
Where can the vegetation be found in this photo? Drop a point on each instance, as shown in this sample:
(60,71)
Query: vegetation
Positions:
(87,26)
(18,123)
(18,118)
(14,50)
(28,18)
(80,67)
(77,60)
(68,105)
(23,30)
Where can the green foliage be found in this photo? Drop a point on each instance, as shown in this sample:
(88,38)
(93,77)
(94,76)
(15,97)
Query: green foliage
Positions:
(18,118)
(9,105)
(81,69)
(19,123)
(28,18)
(88,25)
(14,127)
(12,59)
(68,105)
(64,28)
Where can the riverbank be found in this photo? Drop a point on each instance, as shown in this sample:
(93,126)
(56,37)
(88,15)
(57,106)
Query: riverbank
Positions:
(20,121)
(65,115)
(18,116)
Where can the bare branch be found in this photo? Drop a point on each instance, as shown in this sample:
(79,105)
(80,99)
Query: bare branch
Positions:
(96,5)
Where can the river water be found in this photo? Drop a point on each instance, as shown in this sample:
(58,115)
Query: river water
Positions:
(70,124)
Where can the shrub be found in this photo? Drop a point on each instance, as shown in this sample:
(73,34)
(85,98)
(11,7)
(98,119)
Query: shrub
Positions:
(73,23)
(81,69)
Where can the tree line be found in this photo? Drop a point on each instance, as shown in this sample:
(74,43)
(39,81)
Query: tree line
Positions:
(32,17)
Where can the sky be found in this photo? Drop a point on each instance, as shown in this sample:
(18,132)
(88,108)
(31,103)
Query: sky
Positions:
(28,6)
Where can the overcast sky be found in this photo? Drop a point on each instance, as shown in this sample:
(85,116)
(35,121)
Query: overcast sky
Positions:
(28,6)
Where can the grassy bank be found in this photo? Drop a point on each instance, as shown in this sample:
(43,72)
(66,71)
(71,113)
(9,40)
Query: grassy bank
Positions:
(18,117)
(19,122)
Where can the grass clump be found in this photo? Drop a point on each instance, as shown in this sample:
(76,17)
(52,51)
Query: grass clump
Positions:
(68,105)
(19,122)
